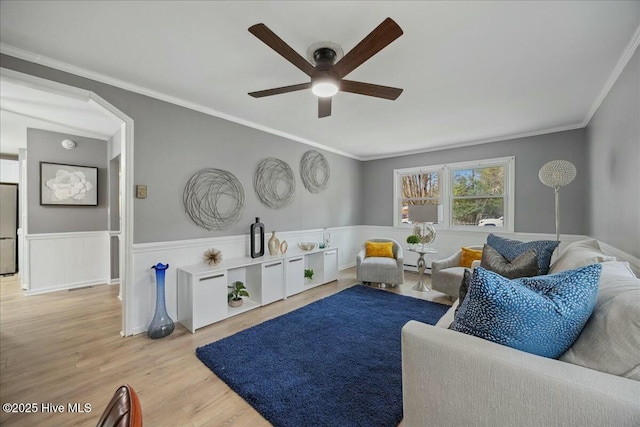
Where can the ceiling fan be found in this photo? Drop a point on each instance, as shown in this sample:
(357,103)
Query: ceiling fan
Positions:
(327,77)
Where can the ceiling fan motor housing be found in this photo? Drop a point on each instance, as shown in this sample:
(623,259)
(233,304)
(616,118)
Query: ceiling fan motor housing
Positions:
(324,58)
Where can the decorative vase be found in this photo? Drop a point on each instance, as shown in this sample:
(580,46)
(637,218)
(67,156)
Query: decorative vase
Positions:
(274,244)
(161,325)
(284,246)
(326,238)
(257,227)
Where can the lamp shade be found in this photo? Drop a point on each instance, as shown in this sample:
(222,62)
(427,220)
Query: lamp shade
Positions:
(423,213)
(557,173)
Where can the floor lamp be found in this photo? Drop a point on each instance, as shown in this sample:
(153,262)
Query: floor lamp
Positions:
(556,174)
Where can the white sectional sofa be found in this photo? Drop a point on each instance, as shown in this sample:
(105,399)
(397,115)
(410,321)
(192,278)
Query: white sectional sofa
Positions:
(453,379)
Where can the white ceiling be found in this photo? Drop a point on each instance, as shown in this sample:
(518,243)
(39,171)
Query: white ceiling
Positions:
(471,71)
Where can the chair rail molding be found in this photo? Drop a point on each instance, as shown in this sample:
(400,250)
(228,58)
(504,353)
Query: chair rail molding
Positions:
(182,253)
(348,239)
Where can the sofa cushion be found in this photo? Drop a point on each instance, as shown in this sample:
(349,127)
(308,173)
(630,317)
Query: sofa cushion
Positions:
(524,265)
(511,249)
(468,255)
(446,320)
(579,254)
(610,341)
(379,249)
(542,315)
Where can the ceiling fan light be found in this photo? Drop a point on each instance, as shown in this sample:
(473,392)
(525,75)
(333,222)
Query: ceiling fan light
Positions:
(324,89)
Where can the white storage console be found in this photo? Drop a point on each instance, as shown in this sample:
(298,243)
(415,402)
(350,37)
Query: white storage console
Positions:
(202,290)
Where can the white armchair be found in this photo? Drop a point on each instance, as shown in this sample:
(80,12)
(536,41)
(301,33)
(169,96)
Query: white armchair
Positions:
(389,271)
(446,274)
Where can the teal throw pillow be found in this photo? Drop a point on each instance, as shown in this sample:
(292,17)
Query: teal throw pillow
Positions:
(511,249)
(542,315)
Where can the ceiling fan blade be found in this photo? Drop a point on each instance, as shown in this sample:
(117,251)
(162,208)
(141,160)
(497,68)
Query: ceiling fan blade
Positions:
(279,90)
(324,107)
(269,38)
(369,89)
(377,40)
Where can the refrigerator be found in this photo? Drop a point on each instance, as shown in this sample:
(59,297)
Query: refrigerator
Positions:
(8,228)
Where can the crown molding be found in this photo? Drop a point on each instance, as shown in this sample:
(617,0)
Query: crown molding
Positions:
(624,60)
(468,143)
(69,129)
(102,78)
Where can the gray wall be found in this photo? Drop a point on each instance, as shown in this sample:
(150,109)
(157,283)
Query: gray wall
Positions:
(172,143)
(115,257)
(534,203)
(185,141)
(44,146)
(613,137)
(114,194)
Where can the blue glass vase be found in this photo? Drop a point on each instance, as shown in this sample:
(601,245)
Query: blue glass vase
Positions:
(161,325)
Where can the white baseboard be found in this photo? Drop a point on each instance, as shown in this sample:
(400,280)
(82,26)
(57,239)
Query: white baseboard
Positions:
(346,266)
(70,286)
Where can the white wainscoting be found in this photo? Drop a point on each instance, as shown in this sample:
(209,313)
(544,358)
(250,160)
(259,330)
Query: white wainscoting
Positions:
(349,240)
(59,261)
(189,252)
(449,241)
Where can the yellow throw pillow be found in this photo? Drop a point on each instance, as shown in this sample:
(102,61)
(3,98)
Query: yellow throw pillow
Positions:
(379,249)
(469,255)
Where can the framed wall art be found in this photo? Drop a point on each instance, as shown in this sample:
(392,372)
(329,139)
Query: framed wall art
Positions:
(66,185)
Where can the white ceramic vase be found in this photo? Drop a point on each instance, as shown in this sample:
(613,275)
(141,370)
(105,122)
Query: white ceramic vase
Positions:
(274,244)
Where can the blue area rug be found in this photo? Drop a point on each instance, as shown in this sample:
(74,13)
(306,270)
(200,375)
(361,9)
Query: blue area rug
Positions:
(334,362)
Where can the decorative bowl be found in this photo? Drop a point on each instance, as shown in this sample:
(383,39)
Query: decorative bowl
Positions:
(306,246)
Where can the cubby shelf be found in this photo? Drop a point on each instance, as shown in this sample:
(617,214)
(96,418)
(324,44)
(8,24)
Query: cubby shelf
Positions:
(202,290)
(247,305)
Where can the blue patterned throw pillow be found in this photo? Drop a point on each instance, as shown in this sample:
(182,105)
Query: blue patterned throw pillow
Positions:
(542,315)
(511,249)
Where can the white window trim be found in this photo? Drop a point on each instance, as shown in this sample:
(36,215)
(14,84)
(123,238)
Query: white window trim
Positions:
(446,196)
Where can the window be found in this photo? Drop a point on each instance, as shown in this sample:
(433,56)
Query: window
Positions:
(421,188)
(468,195)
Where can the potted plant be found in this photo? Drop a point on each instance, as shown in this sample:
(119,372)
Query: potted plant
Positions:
(238,290)
(413,241)
(308,274)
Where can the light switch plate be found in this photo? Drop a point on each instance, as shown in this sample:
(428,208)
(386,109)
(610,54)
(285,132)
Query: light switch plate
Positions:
(141,191)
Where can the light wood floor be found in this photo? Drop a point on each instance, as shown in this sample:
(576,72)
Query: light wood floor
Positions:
(64,348)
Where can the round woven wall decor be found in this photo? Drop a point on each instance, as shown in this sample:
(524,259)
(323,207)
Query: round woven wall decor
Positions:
(214,199)
(275,183)
(314,171)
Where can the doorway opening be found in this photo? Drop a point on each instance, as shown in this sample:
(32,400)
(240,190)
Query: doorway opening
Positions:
(120,160)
